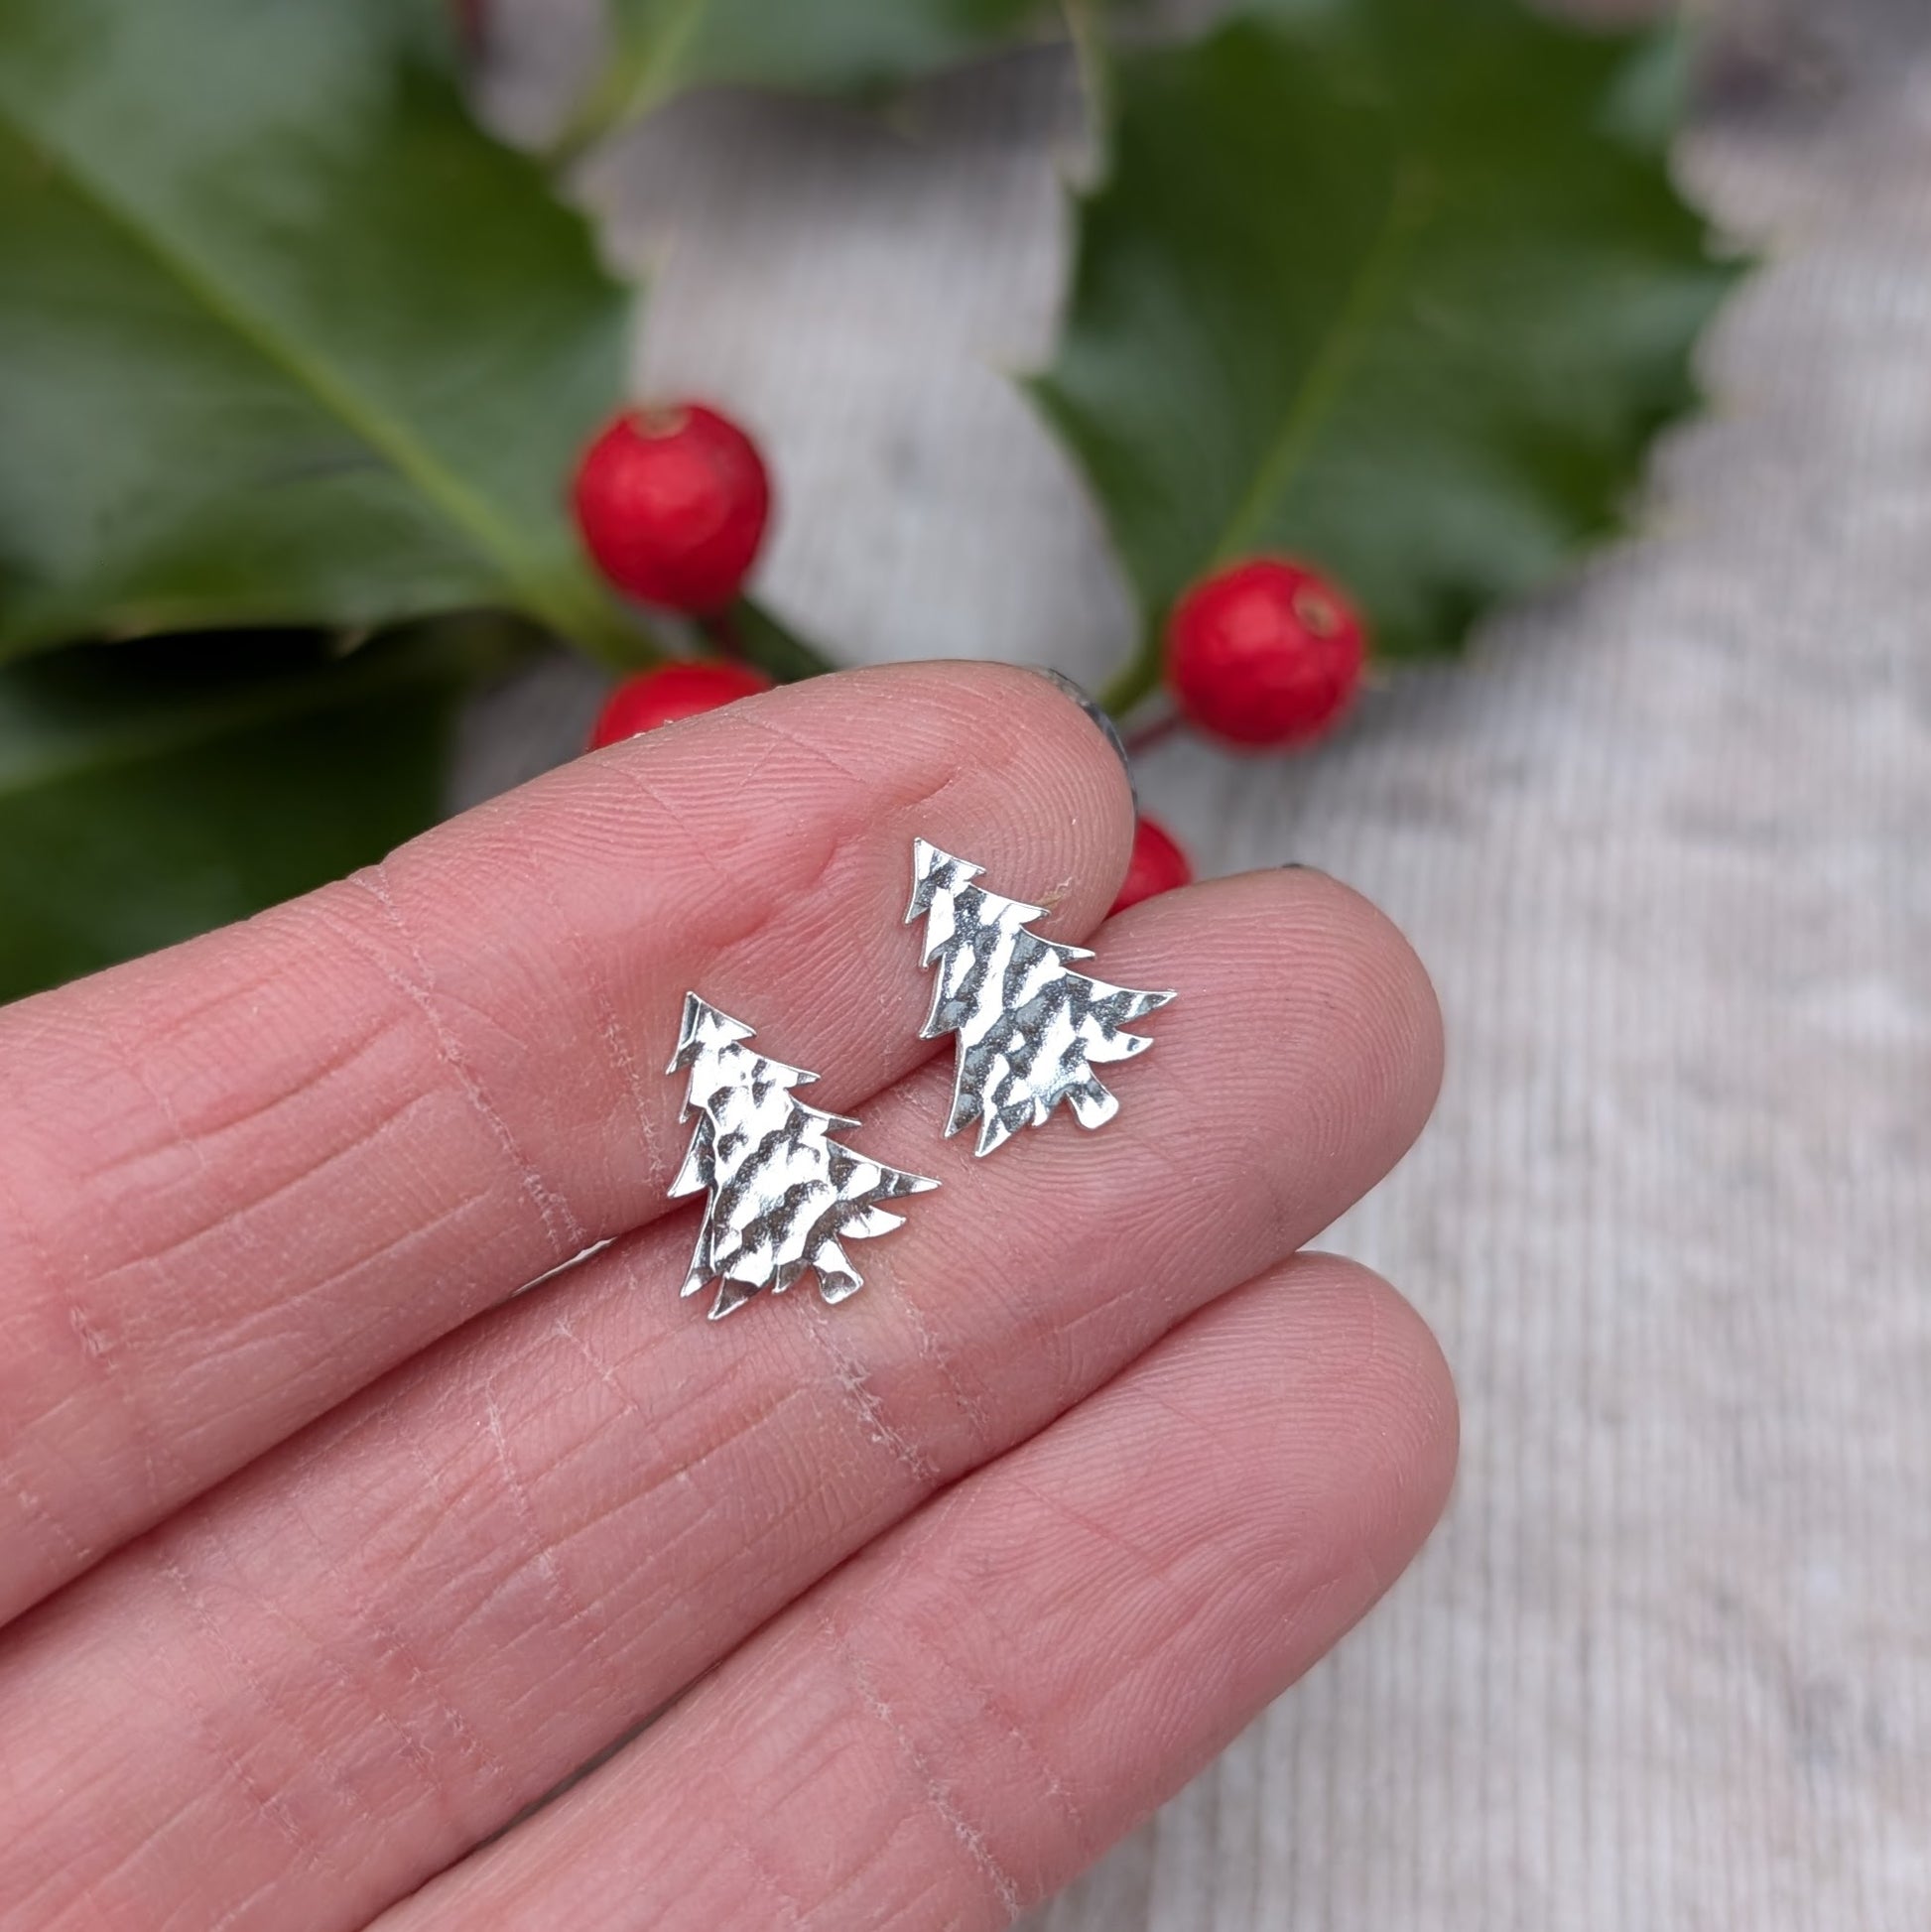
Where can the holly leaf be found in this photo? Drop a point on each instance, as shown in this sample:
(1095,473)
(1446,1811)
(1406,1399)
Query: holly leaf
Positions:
(1400,288)
(152,791)
(283,338)
(832,47)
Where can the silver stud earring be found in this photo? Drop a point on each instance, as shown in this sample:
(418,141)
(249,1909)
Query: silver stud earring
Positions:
(784,1195)
(1030,1029)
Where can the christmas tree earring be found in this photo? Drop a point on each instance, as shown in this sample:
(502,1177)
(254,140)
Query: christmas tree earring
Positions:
(1030,1029)
(784,1195)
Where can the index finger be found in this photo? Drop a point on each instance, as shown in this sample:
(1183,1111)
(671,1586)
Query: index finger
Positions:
(244,1177)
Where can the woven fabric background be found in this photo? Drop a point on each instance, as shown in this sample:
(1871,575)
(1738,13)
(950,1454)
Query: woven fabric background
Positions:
(1665,842)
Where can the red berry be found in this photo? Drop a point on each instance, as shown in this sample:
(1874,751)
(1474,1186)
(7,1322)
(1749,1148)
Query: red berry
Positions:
(1267,652)
(672,692)
(1158,866)
(673,505)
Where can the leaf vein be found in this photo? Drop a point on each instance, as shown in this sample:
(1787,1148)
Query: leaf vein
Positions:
(466,512)
(1409,206)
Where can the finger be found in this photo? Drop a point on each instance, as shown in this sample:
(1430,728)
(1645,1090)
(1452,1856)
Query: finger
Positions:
(415,1620)
(245,1176)
(956,1724)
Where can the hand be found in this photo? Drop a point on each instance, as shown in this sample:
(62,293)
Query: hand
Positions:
(329,1554)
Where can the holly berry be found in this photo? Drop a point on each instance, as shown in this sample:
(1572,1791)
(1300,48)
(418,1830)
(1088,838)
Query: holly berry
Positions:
(1158,866)
(673,504)
(669,693)
(1267,652)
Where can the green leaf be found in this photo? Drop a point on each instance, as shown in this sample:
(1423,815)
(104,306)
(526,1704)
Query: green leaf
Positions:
(151,791)
(283,338)
(833,47)
(1396,286)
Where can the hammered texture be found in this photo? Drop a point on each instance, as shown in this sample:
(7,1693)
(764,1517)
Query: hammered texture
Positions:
(784,1195)
(1030,1029)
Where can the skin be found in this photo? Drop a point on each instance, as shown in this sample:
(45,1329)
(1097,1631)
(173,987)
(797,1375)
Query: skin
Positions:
(325,1554)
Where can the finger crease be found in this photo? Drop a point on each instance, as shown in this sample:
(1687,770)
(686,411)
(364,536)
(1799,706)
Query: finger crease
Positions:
(566,1232)
(848,1373)
(307,1844)
(542,1554)
(933,1789)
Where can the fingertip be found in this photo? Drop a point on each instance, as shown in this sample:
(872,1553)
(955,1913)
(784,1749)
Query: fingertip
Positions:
(1098,716)
(1300,990)
(1066,837)
(1082,778)
(1395,1421)
(1348,1418)
(1377,957)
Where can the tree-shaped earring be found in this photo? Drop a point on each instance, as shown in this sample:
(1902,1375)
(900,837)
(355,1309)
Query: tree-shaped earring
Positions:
(1030,1029)
(784,1195)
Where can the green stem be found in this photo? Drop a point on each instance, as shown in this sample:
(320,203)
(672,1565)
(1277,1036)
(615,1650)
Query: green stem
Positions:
(1140,678)
(749,632)
(1092,57)
(642,71)
(617,641)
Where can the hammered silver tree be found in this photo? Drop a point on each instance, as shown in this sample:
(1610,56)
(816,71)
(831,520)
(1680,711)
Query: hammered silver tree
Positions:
(784,1195)
(1030,1029)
